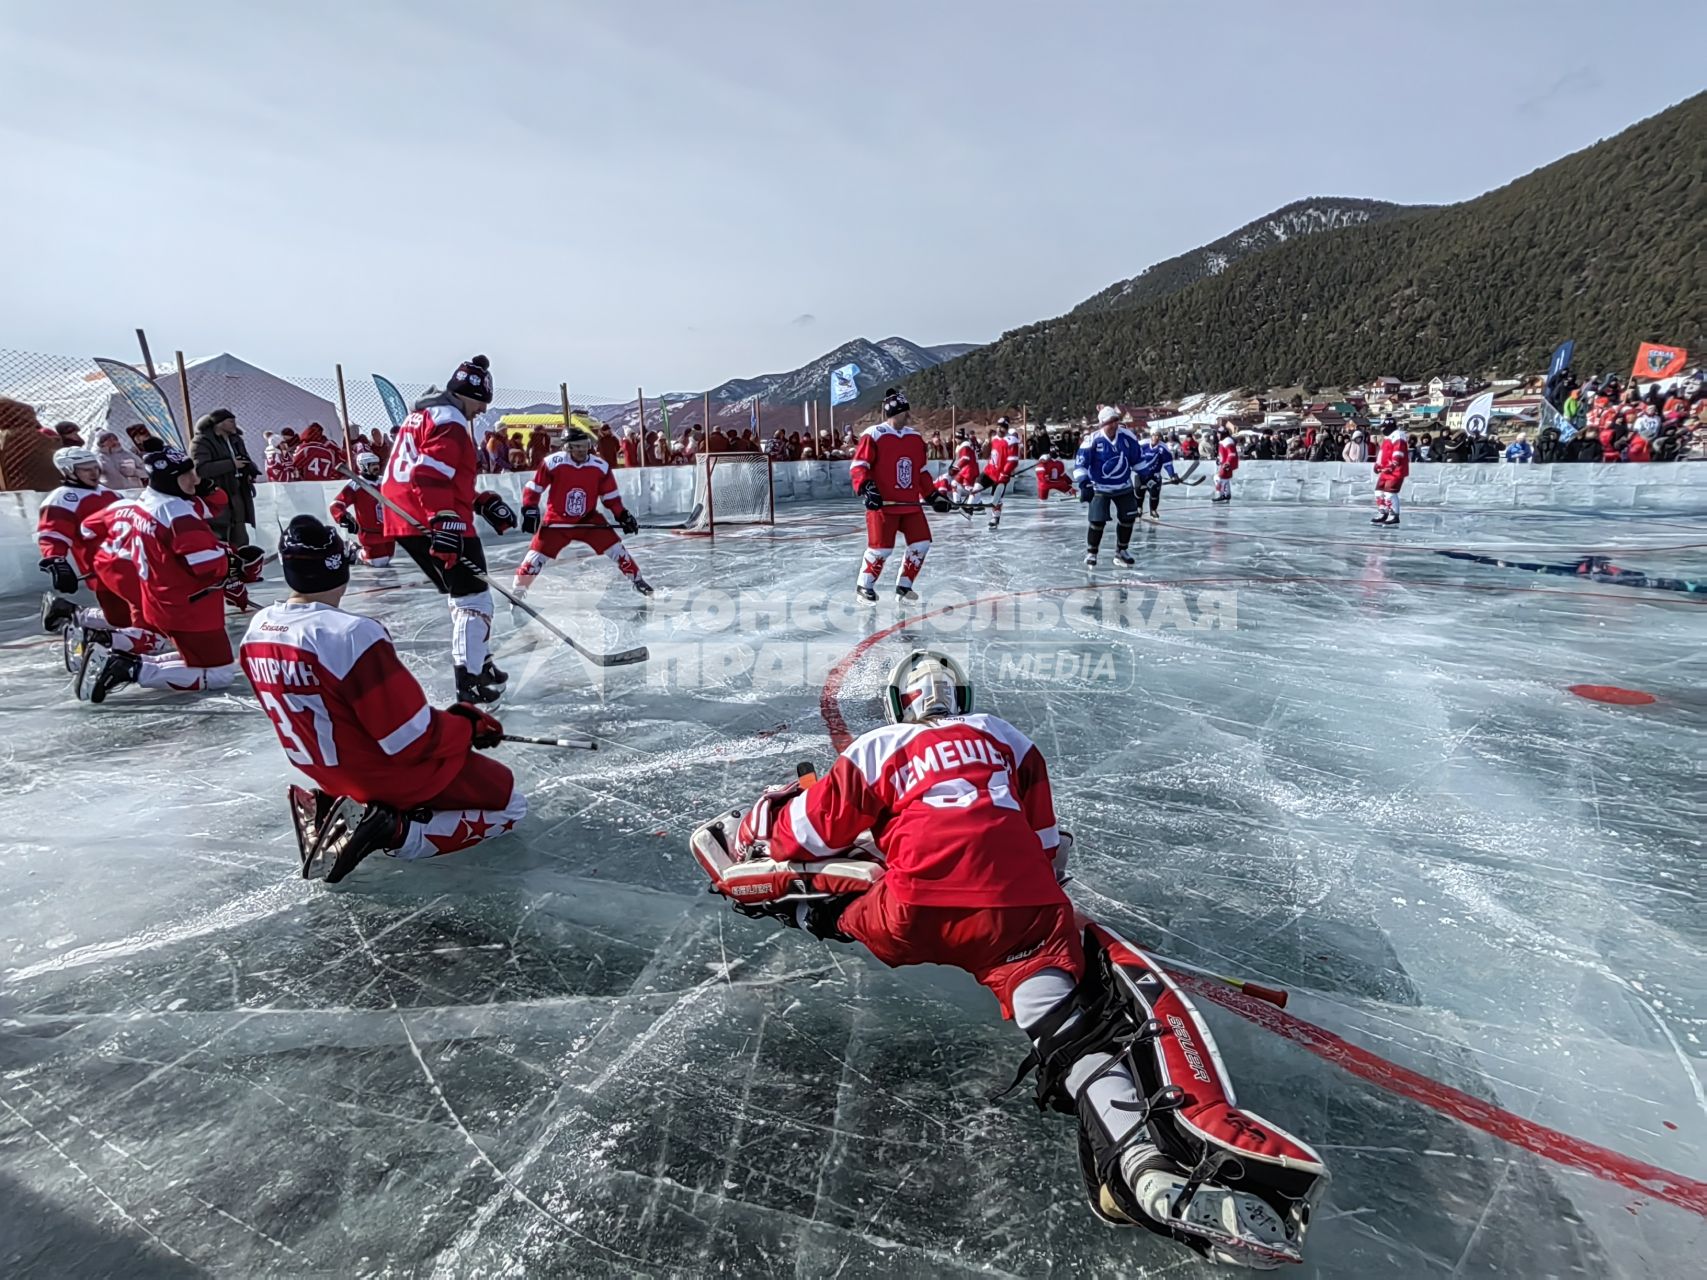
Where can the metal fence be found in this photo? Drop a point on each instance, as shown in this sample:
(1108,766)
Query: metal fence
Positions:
(72,389)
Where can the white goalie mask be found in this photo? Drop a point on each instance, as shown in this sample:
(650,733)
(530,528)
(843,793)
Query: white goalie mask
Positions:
(926,683)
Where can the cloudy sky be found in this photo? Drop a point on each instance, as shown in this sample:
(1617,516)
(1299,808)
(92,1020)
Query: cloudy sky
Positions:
(673,193)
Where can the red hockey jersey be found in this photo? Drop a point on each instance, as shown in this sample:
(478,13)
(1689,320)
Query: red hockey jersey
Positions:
(895,458)
(1394,460)
(431,468)
(960,809)
(966,463)
(346,709)
(1052,477)
(59,522)
(572,491)
(363,506)
(1004,458)
(161,547)
(1227,455)
(315,458)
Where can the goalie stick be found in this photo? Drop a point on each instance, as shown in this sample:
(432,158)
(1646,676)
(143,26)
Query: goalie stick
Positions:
(622,658)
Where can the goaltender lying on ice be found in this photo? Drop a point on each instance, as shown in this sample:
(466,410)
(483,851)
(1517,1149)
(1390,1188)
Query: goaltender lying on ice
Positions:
(967,871)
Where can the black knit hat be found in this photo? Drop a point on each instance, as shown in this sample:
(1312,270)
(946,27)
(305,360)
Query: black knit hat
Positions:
(313,556)
(473,378)
(164,468)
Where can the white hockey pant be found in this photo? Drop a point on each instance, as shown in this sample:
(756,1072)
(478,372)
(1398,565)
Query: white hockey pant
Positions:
(137,640)
(451,830)
(172,674)
(1114,1094)
(470,630)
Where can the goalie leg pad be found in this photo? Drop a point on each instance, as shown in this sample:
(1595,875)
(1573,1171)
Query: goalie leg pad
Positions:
(1193,1116)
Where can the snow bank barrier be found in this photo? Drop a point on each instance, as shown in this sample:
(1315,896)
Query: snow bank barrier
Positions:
(1563,486)
(668,491)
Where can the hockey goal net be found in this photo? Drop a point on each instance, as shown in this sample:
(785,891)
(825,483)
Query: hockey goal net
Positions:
(731,488)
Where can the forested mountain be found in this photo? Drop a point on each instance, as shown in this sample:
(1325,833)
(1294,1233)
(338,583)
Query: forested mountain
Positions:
(1604,246)
(1290,222)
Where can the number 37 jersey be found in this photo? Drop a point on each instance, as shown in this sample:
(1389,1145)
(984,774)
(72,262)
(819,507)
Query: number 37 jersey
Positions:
(346,709)
(960,808)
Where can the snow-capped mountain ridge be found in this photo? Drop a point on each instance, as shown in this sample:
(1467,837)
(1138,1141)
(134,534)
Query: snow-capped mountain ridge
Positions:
(881,364)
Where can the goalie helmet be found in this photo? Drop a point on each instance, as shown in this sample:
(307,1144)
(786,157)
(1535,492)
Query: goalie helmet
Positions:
(67,460)
(926,683)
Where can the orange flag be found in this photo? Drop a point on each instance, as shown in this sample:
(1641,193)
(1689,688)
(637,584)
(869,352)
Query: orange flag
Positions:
(1655,361)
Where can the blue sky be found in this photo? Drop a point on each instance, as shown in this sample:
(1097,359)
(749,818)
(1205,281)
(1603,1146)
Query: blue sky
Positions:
(673,194)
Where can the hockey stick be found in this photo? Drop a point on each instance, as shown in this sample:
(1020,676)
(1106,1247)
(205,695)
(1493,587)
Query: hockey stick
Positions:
(1276,996)
(625,657)
(574,744)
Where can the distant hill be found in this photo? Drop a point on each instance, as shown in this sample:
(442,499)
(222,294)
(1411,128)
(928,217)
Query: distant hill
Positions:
(1291,222)
(1604,246)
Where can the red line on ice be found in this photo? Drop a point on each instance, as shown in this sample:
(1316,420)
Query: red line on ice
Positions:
(1551,1144)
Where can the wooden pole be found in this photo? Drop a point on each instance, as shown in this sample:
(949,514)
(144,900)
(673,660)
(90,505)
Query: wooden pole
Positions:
(563,390)
(184,393)
(830,435)
(705,416)
(344,408)
(147,359)
(640,395)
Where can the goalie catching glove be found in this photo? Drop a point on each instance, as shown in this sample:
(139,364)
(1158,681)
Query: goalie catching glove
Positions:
(495,511)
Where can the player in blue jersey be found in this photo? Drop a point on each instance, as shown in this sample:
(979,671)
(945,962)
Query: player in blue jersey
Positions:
(1154,457)
(1103,470)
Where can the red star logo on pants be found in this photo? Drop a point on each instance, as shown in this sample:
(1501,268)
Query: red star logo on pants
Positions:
(469,831)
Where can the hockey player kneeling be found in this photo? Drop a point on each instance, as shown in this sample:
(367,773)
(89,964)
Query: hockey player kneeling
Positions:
(392,775)
(965,870)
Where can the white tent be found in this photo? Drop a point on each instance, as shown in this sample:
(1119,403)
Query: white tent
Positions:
(262,401)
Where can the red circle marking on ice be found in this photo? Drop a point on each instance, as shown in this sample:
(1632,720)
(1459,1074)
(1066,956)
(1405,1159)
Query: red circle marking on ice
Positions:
(1613,694)
(1561,1148)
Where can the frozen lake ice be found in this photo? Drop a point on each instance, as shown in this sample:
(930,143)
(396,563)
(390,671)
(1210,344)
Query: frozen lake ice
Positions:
(1292,748)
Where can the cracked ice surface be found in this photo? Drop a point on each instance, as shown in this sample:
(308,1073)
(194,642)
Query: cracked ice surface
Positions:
(557,1054)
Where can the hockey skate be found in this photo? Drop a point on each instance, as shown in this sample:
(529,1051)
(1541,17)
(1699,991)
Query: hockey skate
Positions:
(906,594)
(73,639)
(995,522)
(478,688)
(350,833)
(100,671)
(866,595)
(1090,559)
(1234,1228)
(641,585)
(1124,557)
(56,612)
(309,809)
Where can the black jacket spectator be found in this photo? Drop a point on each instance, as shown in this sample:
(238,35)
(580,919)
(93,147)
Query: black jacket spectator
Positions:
(222,459)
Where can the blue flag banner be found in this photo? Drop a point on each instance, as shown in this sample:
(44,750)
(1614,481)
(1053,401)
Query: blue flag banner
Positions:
(1561,359)
(1551,417)
(146,398)
(395,407)
(844,384)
